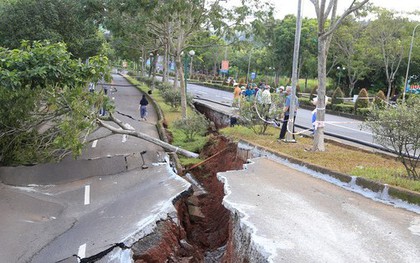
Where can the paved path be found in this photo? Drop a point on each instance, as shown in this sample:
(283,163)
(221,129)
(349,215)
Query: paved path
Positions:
(298,218)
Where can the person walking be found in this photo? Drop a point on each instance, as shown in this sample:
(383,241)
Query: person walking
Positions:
(286,111)
(143,107)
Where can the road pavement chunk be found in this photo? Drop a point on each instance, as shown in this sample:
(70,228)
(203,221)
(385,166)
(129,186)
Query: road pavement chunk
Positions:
(294,217)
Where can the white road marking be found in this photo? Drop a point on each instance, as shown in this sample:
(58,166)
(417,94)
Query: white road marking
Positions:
(94,143)
(124,138)
(130,127)
(82,252)
(87,194)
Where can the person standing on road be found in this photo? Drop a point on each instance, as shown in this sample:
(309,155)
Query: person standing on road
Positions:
(236,95)
(143,107)
(286,111)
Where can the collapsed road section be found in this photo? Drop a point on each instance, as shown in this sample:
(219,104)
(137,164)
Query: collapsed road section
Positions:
(275,211)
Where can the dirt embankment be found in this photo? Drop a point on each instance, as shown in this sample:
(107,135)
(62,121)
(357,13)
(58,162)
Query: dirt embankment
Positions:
(204,224)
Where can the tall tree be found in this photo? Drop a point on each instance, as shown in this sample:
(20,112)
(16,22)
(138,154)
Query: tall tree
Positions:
(350,40)
(54,20)
(387,35)
(325,9)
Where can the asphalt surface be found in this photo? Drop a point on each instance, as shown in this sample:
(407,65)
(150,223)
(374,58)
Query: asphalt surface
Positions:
(292,216)
(344,127)
(86,215)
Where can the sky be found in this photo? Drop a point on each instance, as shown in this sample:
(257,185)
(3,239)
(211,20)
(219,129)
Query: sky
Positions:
(284,7)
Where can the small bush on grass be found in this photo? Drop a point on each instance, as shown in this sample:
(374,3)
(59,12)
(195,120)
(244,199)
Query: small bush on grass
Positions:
(379,101)
(192,126)
(362,100)
(338,96)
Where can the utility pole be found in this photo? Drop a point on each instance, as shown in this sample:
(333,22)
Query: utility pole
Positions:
(249,65)
(292,107)
(408,64)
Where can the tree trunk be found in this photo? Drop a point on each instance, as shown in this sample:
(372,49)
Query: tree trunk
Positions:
(176,80)
(388,93)
(180,71)
(351,88)
(318,144)
(166,146)
(165,63)
(155,60)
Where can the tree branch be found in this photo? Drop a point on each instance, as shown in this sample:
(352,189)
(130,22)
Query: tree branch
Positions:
(145,137)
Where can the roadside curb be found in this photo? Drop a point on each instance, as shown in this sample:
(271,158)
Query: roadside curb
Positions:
(393,191)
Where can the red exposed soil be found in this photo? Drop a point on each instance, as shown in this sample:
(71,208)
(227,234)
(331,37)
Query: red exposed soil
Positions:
(211,232)
(199,234)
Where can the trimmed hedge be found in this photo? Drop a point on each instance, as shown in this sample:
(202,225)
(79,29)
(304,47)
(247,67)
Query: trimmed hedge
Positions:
(346,108)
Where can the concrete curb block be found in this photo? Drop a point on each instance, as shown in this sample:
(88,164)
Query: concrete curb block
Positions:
(393,191)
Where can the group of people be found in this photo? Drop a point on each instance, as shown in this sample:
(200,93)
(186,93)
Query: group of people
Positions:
(261,95)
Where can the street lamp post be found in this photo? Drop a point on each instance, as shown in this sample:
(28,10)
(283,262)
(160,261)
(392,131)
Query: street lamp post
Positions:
(409,59)
(150,64)
(187,57)
(340,70)
(290,137)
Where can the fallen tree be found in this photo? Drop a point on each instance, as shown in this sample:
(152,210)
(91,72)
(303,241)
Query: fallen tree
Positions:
(126,129)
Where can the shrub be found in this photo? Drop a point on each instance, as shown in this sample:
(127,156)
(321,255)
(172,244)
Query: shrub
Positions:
(337,97)
(379,100)
(162,86)
(172,97)
(346,108)
(362,100)
(305,102)
(195,124)
(363,111)
(397,127)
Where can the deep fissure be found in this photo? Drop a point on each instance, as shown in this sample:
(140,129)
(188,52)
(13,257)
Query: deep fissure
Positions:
(200,233)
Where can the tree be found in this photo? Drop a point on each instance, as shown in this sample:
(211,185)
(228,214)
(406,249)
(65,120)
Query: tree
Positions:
(325,30)
(45,106)
(397,128)
(46,109)
(386,40)
(54,20)
(350,41)
(175,23)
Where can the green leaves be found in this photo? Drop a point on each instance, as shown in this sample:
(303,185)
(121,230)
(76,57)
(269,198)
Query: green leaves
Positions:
(193,125)
(52,20)
(46,108)
(397,127)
